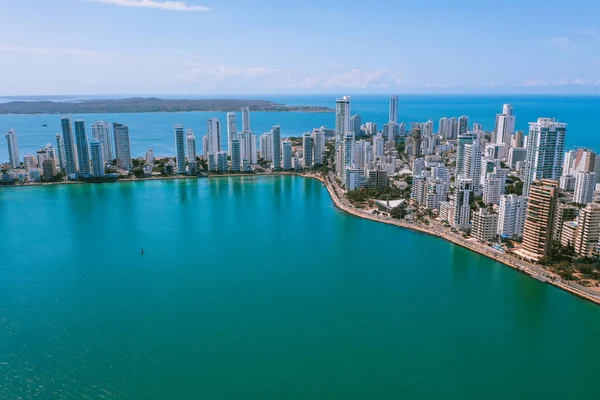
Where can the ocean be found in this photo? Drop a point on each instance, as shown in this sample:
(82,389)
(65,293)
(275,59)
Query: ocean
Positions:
(259,288)
(156,129)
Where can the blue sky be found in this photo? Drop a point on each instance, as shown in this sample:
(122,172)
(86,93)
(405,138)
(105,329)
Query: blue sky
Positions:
(309,46)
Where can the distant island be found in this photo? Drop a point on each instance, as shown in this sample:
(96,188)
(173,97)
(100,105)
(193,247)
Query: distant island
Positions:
(143,105)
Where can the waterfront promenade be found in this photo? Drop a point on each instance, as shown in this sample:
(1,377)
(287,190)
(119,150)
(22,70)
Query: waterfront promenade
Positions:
(435,229)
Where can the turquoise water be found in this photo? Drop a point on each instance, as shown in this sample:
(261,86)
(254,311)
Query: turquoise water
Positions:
(258,288)
(156,129)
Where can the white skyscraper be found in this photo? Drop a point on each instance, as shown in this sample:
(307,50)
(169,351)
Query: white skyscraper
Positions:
(246,119)
(122,146)
(97,153)
(463,125)
(545,148)
(101,132)
(393,110)
(505,126)
(180,149)
(266,146)
(191,151)
(585,183)
(460,150)
(318,147)
(276,146)
(355,124)
(349,148)
(231,130)
(472,164)
(150,156)
(83,151)
(253,150)
(377,147)
(511,215)
(213,130)
(13,149)
(461,204)
(342,118)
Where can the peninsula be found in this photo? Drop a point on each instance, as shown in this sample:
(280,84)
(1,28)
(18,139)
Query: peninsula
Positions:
(143,105)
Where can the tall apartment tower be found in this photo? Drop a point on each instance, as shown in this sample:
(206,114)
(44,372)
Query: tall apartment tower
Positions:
(355,124)
(307,149)
(461,204)
(122,146)
(236,163)
(13,149)
(60,151)
(463,125)
(246,119)
(180,149)
(342,118)
(545,151)
(213,130)
(539,220)
(287,155)
(588,231)
(83,151)
(71,166)
(505,126)
(190,139)
(585,183)
(101,132)
(318,147)
(276,146)
(98,161)
(393,110)
(231,130)
(511,215)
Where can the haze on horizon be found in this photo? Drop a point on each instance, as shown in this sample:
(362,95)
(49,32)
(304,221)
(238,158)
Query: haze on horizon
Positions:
(75,47)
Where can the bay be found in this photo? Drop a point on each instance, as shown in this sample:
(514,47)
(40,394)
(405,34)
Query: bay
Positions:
(259,288)
(156,129)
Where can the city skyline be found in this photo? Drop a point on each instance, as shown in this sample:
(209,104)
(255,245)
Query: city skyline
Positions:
(162,60)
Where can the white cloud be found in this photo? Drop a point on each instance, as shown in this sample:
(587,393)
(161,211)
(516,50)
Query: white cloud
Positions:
(162,5)
(591,33)
(561,41)
(564,81)
(580,81)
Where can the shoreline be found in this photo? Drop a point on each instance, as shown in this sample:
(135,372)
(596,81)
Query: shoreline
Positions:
(524,267)
(534,271)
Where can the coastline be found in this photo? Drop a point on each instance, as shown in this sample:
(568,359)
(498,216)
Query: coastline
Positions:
(432,229)
(531,270)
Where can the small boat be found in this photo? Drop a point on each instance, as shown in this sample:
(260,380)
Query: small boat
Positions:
(142,251)
(44,126)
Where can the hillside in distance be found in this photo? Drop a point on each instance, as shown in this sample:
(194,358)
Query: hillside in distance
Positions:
(141,105)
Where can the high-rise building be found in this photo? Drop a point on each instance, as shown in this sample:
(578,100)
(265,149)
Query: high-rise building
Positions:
(60,151)
(253,150)
(122,146)
(585,183)
(563,213)
(371,128)
(97,153)
(13,149)
(231,130)
(539,220)
(492,189)
(101,132)
(191,152)
(342,118)
(150,156)
(318,147)
(246,119)
(461,215)
(222,164)
(545,147)
(71,166)
(511,216)
(180,148)
(205,147)
(485,224)
(437,192)
(416,136)
(349,148)
(472,164)
(583,160)
(418,190)
(505,126)
(307,149)
(83,151)
(427,129)
(354,178)
(460,150)
(463,125)
(287,155)
(355,125)
(235,155)
(213,130)
(377,147)
(266,146)
(588,231)
(518,139)
(49,168)
(276,146)
(393,110)
(376,179)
